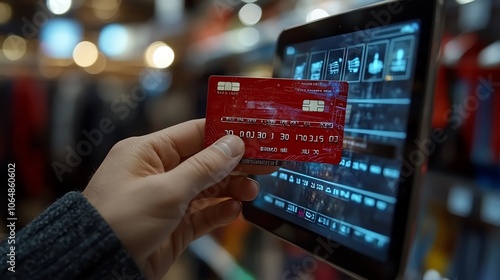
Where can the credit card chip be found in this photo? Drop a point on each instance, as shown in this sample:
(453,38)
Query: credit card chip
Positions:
(313,105)
(228,86)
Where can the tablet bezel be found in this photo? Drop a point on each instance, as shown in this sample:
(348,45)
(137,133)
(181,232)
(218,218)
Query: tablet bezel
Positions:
(343,258)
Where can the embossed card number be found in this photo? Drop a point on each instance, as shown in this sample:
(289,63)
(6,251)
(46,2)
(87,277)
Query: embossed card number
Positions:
(278,119)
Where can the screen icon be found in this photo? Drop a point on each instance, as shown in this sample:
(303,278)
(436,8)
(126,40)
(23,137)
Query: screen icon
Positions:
(355,165)
(317,65)
(400,58)
(376,66)
(279,203)
(363,166)
(324,221)
(399,63)
(369,239)
(316,68)
(345,194)
(356,198)
(300,67)
(354,63)
(292,208)
(375,169)
(358,235)
(335,66)
(381,205)
(376,54)
(310,216)
(268,199)
(344,229)
(370,202)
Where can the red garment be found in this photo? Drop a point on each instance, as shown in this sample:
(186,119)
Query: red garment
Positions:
(441,93)
(468,70)
(441,99)
(29,123)
(495,134)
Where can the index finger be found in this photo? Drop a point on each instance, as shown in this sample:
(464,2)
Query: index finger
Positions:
(244,169)
(187,139)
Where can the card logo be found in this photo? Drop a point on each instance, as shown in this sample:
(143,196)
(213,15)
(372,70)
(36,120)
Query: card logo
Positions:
(228,86)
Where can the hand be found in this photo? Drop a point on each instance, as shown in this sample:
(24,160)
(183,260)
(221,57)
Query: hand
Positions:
(159,192)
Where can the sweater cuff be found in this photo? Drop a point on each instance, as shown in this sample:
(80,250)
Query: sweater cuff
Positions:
(71,240)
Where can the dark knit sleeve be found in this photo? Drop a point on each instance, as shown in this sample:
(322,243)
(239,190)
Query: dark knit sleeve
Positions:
(70,240)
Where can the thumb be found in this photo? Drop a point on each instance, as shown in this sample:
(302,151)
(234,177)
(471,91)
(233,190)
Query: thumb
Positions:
(206,168)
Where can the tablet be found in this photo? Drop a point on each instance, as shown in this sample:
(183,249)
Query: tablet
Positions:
(355,215)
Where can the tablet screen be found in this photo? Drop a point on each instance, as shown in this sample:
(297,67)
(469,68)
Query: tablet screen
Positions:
(352,203)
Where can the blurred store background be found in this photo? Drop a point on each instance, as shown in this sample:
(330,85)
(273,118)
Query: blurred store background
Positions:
(142,65)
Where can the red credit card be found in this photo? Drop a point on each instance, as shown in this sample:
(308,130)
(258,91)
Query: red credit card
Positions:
(278,119)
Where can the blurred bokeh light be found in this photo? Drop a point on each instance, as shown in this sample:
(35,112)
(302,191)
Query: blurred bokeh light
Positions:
(59,37)
(59,7)
(85,54)
(14,47)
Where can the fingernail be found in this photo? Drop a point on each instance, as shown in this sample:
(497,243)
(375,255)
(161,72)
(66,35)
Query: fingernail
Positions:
(232,211)
(232,146)
(238,171)
(255,183)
